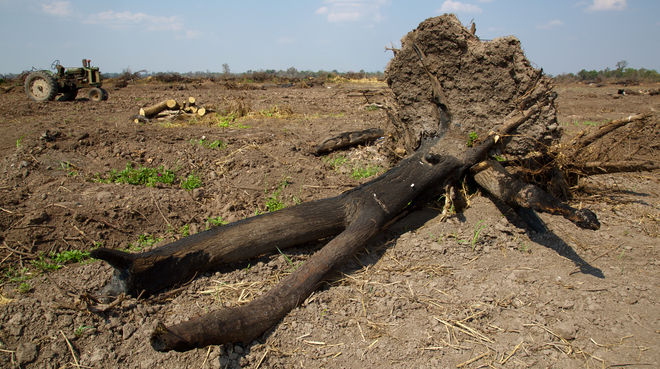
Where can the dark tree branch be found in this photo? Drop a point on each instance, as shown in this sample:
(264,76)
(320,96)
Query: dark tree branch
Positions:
(348,139)
(502,185)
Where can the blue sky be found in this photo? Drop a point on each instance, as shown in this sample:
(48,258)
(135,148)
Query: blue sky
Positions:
(347,35)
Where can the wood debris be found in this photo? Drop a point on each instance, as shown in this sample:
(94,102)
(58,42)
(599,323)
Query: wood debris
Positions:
(168,110)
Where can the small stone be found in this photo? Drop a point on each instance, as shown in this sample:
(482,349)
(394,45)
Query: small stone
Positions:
(104,196)
(26,352)
(238,349)
(39,218)
(127,331)
(16,330)
(567,330)
(567,304)
(147,363)
(65,321)
(197,194)
(96,356)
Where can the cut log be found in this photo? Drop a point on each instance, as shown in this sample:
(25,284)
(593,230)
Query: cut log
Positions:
(190,102)
(348,139)
(140,119)
(201,111)
(153,110)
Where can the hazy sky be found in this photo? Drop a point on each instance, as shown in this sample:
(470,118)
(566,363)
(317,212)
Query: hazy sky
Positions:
(557,35)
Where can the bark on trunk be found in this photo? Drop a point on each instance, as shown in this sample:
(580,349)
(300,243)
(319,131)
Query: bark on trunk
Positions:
(151,111)
(348,139)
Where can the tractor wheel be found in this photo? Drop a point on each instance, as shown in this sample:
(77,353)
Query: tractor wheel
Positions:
(40,86)
(98,94)
(68,95)
(105,94)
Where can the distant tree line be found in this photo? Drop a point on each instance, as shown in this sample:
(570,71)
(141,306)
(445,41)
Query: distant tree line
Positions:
(620,74)
(268,75)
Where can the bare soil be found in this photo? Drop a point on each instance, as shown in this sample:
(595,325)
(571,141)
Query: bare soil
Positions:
(478,289)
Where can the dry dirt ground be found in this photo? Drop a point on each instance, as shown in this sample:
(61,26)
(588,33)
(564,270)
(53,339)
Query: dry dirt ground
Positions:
(477,290)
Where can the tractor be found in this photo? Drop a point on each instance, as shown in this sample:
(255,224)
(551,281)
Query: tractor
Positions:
(44,85)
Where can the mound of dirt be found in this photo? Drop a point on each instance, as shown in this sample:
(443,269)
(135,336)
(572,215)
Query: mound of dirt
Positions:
(481,83)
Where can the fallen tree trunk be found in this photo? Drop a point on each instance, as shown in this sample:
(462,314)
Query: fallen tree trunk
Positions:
(430,123)
(151,111)
(366,210)
(357,214)
(348,139)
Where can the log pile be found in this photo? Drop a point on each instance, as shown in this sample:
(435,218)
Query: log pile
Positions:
(171,109)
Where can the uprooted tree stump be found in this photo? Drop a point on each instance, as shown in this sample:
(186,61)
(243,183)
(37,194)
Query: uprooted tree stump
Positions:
(457,102)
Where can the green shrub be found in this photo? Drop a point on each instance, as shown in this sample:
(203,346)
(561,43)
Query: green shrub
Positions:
(143,241)
(365,172)
(191,182)
(141,176)
(70,256)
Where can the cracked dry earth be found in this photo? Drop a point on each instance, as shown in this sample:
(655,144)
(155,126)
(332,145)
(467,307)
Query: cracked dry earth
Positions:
(477,290)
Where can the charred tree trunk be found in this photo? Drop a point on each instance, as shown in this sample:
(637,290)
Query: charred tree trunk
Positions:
(348,139)
(356,215)
(436,109)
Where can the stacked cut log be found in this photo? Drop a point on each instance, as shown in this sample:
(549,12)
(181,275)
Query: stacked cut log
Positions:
(170,109)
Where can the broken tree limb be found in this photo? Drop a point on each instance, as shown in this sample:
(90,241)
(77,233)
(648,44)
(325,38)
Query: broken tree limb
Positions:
(153,110)
(247,322)
(348,139)
(601,167)
(500,184)
(140,119)
(584,141)
(152,271)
